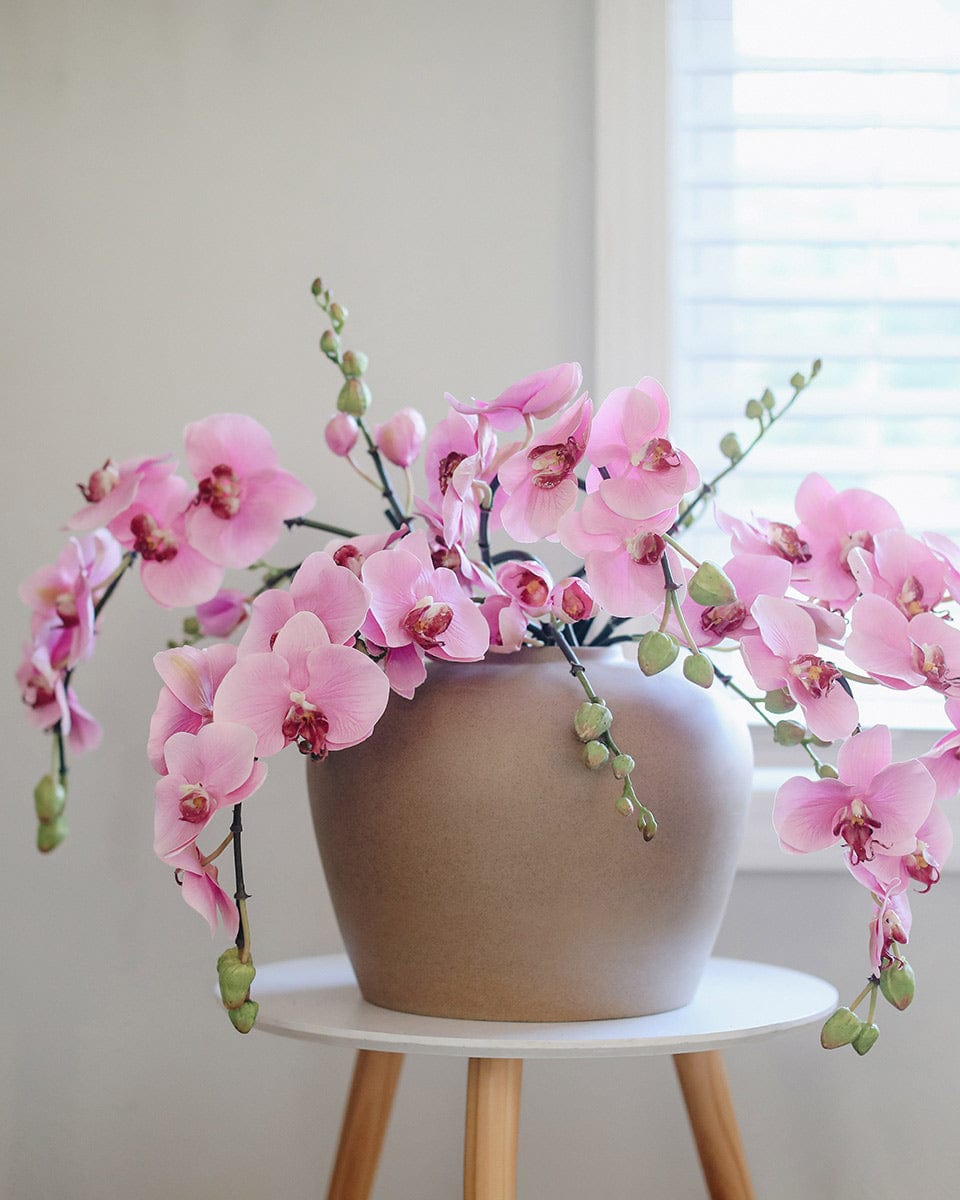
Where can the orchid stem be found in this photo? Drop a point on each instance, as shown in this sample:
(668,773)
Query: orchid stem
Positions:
(681,550)
(207,859)
(307,523)
(240,895)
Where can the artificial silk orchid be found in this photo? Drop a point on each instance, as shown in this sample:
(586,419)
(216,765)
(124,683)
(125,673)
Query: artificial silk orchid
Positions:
(816,603)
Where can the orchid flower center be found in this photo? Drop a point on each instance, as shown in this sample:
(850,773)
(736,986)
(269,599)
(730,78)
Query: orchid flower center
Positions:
(855,825)
(931,662)
(443,556)
(531,589)
(787,542)
(150,541)
(350,557)
(574,604)
(552,464)
(426,621)
(816,676)
(37,691)
(221,490)
(645,548)
(195,803)
(446,468)
(910,597)
(101,483)
(920,865)
(306,725)
(657,455)
(861,540)
(721,619)
(65,604)
(892,929)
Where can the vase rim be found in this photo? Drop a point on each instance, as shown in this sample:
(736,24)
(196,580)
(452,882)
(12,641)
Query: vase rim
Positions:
(531,655)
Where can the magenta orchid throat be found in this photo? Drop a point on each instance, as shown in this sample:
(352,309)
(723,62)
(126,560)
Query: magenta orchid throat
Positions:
(839,596)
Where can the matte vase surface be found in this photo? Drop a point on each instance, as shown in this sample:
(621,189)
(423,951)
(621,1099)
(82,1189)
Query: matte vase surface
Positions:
(478,870)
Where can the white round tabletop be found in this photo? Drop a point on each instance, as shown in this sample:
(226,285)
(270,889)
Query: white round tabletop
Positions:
(317,999)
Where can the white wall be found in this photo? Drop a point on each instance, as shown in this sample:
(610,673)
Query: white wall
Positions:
(177,174)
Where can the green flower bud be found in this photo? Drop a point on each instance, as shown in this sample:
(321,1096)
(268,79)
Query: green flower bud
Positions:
(656,651)
(698,669)
(591,720)
(767,399)
(779,701)
(622,765)
(316,287)
(709,586)
(789,733)
(797,381)
(49,799)
(330,344)
(191,627)
(354,398)
(815,368)
(354,363)
(840,1029)
(338,314)
(244,1017)
(235,977)
(624,805)
(865,1039)
(825,771)
(754,409)
(898,983)
(594,755)
(50,834)
(730,447)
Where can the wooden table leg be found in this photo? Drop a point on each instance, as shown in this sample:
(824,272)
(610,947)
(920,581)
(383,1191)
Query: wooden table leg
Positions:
(703,1080)
(365,1118)
(493,1122)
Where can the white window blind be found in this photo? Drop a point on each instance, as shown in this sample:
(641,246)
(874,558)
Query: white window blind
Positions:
(816,213)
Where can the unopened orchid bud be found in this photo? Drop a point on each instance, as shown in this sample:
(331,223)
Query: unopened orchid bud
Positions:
(767,399)
(330,344)
(826,771)
(244,1017)
(797,380)
(50,834)
(220,616)
(898,983)
(572,600)
(865,1039)
(591,720)
(754,409)
(316,287)
(235,977)
(338,314)
(656,651)
(594,755)
(840,1029)
(622,765)
(354,398)
(789,733)
(709,586)
(399,440)
(341,433)
(624,805)
(779,701)
(699,670)
(353,363)
(730,447)
(49,798)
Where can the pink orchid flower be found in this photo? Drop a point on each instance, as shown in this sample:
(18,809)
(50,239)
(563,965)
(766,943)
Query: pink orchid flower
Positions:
(539,395)
(415,603)
(173,572)
(922,863)
(219,617)
(539,482)
(352,552)
(784,655)
(61,597)
(341,433)
(764,537)
(112,488)
(201,890)
(875,806)
(306,691)
(832,524)
(572,600)
(902,653)
(621,556)
(943,759)
(208,770)
(400,439)
(190,681)
(752,575)
(628,440)
(51,701)
(507,622)
(902,570)
(529,585)
(243,497)
(320,586)
(891,919)
(457,459)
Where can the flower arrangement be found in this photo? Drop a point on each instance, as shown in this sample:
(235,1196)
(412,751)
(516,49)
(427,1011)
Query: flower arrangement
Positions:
(309,655)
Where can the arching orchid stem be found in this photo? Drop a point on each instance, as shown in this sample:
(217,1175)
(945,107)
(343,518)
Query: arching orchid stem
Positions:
(483,538)
(672,588)
(757,706)
(871,983)
(207,859)
(681,550)
(871,1011)
(126,563)
(307,523)
(853,677)
(240,895)
(395,513)
(274,579)
(362,473)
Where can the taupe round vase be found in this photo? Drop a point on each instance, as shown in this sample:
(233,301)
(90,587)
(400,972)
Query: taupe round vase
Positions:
(478,870)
